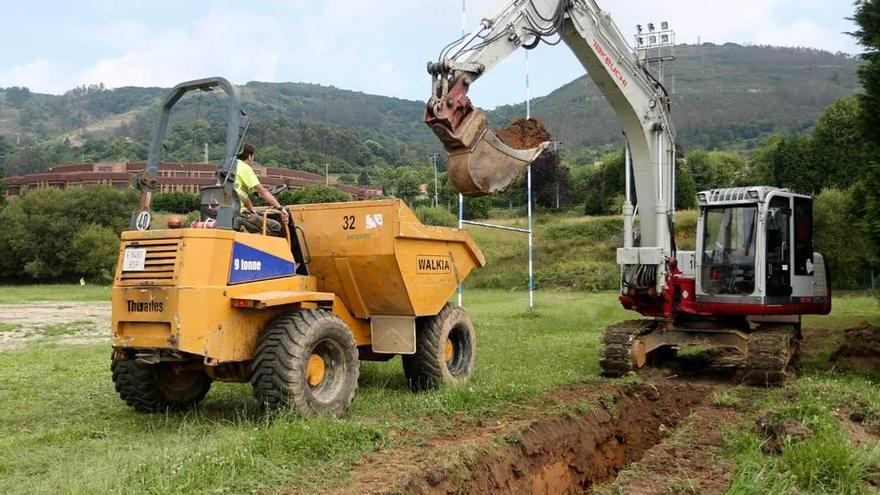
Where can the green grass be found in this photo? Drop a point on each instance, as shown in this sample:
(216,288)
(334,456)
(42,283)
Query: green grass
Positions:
(828,462)
(571,253)
(64,430)
(848,310)
(7,327)
(10,294)
(62,329)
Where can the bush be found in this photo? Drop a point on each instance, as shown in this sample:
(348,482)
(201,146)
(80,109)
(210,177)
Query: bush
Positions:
(475,208)
(96,249)
(598,230)
(580,275)
(315,193)
(847,253)
(37,230)
(436,215)
(176,202)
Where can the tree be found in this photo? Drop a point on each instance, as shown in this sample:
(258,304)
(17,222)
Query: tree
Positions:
(315,193)
(685,190)
(867,17)
(839,148)
(551,182)
(847,255)
(347,179)
(717,169)
(791,162)
(176,202)
(406,186)
(39,229)
(95,249)
(605,189)
(363,178)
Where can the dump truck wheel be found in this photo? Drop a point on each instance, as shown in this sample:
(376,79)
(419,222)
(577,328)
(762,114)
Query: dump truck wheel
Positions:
(152,388)
(306,360)
(445,350)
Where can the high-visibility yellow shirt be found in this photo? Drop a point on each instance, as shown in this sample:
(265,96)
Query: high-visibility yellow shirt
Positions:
(245,182)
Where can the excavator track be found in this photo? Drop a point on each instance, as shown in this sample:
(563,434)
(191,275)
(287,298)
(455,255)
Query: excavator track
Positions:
(771,350)
(617,357)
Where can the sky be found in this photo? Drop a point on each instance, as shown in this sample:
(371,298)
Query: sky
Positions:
(374,46)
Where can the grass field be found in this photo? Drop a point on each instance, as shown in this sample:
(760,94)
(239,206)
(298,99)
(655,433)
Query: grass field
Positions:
(64,430)
(32,293)
(571,253)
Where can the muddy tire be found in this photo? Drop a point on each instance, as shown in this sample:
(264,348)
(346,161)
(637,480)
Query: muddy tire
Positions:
(307,361)
(152,388)
(773,349)
(446,351)
(617,358)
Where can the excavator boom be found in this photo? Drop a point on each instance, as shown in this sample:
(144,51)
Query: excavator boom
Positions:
(481,162)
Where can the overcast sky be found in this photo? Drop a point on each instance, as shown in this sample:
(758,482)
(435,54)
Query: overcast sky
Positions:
(375,46)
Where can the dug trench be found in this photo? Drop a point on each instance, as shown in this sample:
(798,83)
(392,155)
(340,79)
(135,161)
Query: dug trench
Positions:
(664,435)
(574,439)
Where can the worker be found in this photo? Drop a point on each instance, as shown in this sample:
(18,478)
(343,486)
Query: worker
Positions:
(246,182)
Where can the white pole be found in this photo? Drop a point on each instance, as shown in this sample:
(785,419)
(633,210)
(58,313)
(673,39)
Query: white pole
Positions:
(327,174)
(529,198)
(528,90)
(460,196)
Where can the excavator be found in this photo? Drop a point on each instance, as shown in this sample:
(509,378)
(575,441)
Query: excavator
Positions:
(753,274)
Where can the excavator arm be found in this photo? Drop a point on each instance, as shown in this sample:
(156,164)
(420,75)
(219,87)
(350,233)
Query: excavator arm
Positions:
(639,101)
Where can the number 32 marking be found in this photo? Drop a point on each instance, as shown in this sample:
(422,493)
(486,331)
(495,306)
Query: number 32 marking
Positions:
(348,222)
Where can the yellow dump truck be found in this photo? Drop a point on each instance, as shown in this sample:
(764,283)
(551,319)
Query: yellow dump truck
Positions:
(194,305)
(292,315)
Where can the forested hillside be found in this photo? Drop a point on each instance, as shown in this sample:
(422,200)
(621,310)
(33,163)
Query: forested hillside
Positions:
(725,97)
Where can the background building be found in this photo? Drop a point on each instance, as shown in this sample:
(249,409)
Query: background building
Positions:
(179,177)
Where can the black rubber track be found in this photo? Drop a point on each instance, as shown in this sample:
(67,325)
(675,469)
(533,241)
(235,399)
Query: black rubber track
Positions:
(140,386)
(428,369)
(617,346)
(280,367)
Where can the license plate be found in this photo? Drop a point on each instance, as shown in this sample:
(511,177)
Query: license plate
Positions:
(134,260)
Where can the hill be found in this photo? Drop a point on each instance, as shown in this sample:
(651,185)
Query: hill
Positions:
(726,96)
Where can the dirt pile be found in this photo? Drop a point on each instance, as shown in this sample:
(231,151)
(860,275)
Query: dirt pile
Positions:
(860,349)
(776,432)
(524,134)
(570,454)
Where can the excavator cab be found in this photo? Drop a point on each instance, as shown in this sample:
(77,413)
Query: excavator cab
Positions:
(755,247)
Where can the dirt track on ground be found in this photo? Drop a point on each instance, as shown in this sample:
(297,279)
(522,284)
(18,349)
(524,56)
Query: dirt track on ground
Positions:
(70,322)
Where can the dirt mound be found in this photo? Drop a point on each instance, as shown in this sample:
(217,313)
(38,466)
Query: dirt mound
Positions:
(524,134)
(776,432)
(570,454)
(860,349)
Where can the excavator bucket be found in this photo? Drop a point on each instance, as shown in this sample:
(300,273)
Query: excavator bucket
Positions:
(485,164)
